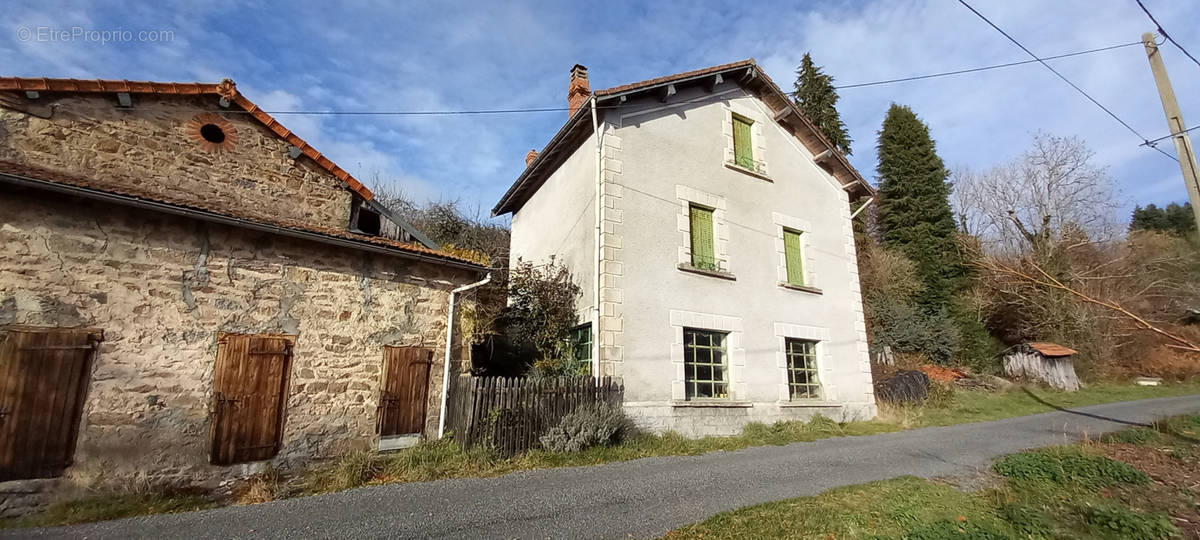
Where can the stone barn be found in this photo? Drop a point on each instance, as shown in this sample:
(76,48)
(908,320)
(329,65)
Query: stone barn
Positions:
(189,291)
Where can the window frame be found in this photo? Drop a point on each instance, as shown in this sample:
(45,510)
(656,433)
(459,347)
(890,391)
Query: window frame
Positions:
(713,264)
(810,368)
(748,147)
(798,257)
(719,388)
(584,346)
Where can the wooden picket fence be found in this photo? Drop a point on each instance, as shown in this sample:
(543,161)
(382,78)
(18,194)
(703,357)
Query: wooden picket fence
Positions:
(510,414)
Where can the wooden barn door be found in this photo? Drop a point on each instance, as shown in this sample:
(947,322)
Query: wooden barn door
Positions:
(250,387)
(44,375)
(405,390)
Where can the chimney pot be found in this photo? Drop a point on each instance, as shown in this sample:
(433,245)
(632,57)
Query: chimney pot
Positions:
(532,155)
(579,89)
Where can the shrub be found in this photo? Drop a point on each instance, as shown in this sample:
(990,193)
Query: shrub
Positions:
(593,425)
(1068,465)
(1120,522)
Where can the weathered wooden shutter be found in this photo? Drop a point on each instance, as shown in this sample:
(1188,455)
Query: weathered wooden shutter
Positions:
(703,253)
(250,385)
(402,403)
(792,248)
(44,376)
(743,151)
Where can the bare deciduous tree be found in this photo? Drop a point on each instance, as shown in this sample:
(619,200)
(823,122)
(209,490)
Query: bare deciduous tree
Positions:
(1028,203)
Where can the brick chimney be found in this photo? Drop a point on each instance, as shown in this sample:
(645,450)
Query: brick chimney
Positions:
(579,89)
(532,155)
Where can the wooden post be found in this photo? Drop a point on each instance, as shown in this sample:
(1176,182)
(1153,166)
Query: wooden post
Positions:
(1183,143)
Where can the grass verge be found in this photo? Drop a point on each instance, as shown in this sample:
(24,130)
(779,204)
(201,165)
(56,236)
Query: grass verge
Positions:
(1147,493)
(105,506)
(435,460)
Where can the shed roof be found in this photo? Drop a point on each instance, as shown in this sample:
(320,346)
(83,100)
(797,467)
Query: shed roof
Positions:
(1051,349)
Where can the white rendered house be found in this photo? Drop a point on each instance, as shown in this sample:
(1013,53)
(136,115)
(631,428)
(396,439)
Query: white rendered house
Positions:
(709,225)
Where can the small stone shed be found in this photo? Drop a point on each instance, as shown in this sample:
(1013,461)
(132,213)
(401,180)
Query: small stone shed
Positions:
(189,291)
(1045,362)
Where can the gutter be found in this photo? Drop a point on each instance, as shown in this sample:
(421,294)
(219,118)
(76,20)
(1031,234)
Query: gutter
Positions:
(213,217)
(449,344)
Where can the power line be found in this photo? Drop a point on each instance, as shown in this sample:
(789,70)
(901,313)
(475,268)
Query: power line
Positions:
(1165,34)
(1152,141)
(985,68)
(1065,79)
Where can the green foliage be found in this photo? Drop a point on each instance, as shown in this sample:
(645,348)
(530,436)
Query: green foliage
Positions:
(891,287)
(815,95)
(1031,521)
(1112,521)
(602,424)
(977,348)
(952,530)
(1175,218)
(541,312)
(1068,465)
(914,207)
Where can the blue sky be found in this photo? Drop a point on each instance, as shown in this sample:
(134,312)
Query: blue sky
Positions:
(361,55)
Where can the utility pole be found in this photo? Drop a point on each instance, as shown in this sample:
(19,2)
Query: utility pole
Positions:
(1183,144)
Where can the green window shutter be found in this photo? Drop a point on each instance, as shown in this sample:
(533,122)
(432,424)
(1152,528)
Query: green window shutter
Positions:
(703,254)
(743,152)
(795,257)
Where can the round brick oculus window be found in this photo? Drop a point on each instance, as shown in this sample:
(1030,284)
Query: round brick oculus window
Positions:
(213,132)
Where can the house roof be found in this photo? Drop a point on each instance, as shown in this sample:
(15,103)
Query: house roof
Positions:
(1051,349)
(745,72)
(226,89)
(41,178)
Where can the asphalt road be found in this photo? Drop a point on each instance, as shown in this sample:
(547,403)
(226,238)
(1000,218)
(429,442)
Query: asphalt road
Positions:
(642,498)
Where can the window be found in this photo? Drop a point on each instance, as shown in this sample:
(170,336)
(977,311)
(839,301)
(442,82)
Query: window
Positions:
(581,348)
(705,374)
(802,368)
(793,250)
(703,250)
(743,151)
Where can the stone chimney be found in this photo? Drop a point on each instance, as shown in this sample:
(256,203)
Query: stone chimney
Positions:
(532,155)
(579,89)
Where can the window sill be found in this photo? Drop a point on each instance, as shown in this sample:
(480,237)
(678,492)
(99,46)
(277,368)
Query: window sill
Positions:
(744,170)
(711,273)
(717,404)
(801,403)
(802,288)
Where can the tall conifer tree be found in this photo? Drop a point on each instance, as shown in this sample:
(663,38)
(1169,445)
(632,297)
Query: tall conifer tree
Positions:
(817,98)
(914,206)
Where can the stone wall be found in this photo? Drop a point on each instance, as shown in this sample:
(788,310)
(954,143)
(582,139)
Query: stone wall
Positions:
(163,287)
(151,150)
